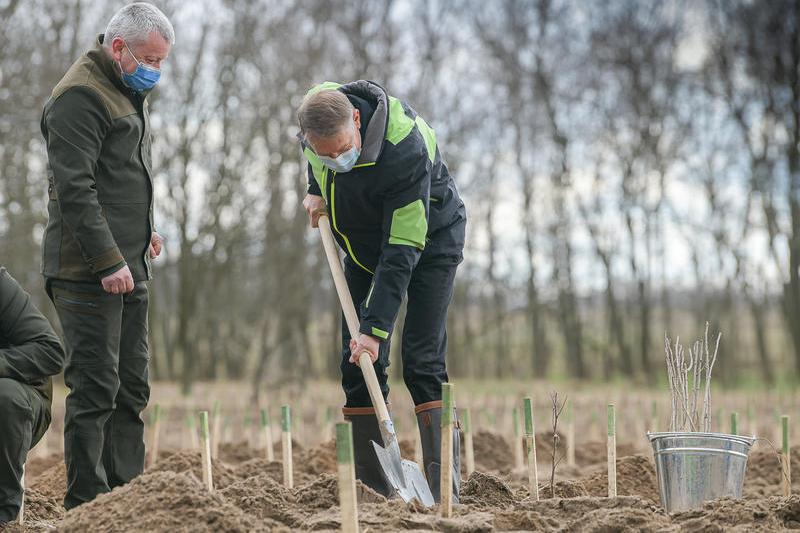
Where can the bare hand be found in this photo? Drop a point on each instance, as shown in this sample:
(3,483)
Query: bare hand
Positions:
(364,343)
(120,282)
(156,244)
(315,206)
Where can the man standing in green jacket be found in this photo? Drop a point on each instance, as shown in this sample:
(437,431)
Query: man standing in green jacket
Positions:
(99,242)
(375,166)
(30,353)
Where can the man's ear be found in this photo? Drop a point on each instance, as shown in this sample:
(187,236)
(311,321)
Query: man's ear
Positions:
(117,45)
(357,118)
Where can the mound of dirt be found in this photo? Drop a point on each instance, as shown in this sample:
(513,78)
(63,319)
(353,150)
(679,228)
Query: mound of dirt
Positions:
(636,476)
(485,490)
(41,510)
(726,514)
(323,493)
(492,452)
(264,498)
(625,513)
(160,501)
(237,452)
(318,460)
(52,483)
(763,477)
(568,488)
(189,461)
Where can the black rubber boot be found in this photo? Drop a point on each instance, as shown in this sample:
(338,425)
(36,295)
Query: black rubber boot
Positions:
(429,420)
(367,467)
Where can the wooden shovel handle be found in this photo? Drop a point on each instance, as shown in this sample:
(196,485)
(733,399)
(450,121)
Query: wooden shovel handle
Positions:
(350,316)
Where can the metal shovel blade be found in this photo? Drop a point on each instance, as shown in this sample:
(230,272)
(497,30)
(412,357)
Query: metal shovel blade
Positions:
(404,476)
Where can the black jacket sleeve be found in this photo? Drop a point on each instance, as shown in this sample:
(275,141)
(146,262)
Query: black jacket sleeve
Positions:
(313,186)
(76,125)
(29,348)
(405,227)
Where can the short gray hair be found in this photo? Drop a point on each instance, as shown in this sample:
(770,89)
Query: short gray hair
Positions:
(323,114)
(135,22)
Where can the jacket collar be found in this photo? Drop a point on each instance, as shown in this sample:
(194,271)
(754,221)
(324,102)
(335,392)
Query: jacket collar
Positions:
(372,143)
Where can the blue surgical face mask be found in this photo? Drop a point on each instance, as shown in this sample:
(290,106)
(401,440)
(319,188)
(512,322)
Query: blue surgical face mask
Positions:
(143,78)
(345,161)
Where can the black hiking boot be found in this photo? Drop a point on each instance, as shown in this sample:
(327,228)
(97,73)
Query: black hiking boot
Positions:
(367,467)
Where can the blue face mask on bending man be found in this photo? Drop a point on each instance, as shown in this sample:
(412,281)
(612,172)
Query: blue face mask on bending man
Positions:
(143,78)
(345,161)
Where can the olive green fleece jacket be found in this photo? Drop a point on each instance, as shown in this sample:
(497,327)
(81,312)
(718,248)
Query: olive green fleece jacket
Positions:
(100,207)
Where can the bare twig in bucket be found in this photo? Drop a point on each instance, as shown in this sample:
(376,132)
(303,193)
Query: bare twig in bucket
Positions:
(555,458)
(687,372)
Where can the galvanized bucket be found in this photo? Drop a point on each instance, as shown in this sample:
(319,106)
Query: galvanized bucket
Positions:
(693,468)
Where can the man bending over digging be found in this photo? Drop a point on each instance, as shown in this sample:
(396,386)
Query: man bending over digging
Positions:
(375,167)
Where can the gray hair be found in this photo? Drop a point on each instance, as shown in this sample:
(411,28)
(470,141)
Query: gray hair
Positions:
(324,113)
(135,22)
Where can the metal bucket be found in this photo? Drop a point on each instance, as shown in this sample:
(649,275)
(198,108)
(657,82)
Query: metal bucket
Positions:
(693,468)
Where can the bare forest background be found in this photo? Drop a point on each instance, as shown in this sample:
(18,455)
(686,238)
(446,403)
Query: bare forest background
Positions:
(630,168)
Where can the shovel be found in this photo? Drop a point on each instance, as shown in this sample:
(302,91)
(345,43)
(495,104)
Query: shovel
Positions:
(404,476)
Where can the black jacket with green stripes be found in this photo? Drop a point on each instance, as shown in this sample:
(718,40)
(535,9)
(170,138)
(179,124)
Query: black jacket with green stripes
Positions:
(398,205)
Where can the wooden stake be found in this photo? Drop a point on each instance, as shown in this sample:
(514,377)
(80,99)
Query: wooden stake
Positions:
(446,472)
(570,435)
(21,515)
(517,445)
(734,423)
(216,428)
(612,452)
(205,452)
(286,446)
(266,433)
(155,424)
(786,459)
(469,450)
(347,477)
(530,442)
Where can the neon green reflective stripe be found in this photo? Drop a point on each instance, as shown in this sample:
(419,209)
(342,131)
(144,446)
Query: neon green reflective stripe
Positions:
(319,170)
(429,135)
(326,85)
(344,237)
(369,294)
(380,333)
(409,225)
(400,124)
(364,165)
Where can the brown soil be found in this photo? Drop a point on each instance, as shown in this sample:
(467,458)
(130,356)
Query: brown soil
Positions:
(636,476)
(160,501)
(492,452)
(52,483)
(763,476)
(189,461)
(250,497)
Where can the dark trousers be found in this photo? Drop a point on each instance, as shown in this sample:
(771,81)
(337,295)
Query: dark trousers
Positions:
(24,418)
(105,336)
(424,333)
